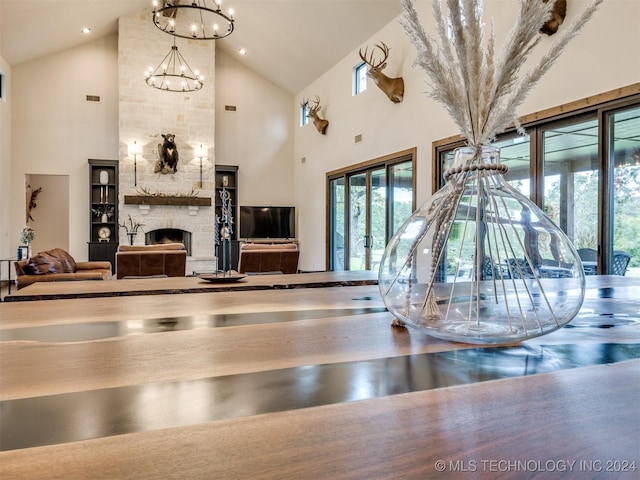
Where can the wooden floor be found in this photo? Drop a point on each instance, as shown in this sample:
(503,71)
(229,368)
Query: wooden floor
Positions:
(310,383)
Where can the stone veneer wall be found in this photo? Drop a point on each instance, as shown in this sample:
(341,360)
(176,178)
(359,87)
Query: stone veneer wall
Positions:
(145,113)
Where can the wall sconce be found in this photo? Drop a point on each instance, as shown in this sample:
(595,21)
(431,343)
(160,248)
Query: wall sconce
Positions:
(200,152)
(135,150)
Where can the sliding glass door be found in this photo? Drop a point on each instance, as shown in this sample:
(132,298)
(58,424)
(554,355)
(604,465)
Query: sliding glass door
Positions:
(357,249)
(366,206)
(571,177)
(624,186)
(583,170)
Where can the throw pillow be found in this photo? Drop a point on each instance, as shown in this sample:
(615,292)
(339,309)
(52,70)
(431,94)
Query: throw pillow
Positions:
(44,263)
(67,262)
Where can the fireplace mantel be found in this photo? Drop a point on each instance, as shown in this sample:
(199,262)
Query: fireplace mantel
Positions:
(166,200)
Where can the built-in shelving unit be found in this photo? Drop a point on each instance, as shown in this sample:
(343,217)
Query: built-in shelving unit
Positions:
(103,210)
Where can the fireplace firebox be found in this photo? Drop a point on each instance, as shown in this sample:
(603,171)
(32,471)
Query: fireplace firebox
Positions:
(169,235)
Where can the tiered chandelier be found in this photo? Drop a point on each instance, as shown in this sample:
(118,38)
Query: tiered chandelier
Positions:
(174,74)
(195,20)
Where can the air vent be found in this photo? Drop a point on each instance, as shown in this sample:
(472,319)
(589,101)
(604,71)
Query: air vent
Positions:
(93,98)
(358,138)
(230,108)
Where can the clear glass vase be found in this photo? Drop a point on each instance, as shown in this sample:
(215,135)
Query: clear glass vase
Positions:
(479,262)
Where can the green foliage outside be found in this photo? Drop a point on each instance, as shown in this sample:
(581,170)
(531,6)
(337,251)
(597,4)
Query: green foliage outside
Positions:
(626,197)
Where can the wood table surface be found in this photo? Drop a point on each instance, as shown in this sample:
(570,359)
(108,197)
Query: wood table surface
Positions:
(311,383)
(191,284)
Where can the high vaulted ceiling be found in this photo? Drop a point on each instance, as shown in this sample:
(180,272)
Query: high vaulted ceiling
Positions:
(290,42)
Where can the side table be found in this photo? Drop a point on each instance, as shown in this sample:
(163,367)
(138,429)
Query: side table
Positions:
(9,262)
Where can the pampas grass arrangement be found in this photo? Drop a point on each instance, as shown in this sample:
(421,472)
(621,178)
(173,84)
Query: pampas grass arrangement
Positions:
(506,292)
(480,87)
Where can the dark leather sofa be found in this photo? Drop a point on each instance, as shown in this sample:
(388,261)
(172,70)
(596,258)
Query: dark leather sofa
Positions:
(268,258)
(168,259)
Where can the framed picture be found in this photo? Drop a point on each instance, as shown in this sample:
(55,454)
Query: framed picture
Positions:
(23,252)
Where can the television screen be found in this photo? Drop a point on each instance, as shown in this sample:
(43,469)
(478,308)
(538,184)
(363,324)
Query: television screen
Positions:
(267,222)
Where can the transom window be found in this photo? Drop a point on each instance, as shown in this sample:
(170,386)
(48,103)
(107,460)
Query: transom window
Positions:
(360,78)
(304,114)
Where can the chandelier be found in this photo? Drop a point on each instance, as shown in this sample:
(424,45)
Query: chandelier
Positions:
(196,19)
(174,74)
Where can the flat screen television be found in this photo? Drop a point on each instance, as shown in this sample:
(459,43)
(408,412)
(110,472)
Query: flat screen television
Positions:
(267,222)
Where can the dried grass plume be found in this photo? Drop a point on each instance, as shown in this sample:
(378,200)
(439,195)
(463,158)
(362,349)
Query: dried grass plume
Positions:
(481,88)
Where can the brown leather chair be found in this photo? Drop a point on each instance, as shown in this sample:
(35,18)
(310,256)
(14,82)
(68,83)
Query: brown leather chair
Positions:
(168,259)
(258,258)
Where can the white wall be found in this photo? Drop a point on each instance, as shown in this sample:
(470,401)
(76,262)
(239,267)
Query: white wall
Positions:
(257,136)
(8,237)
(52,227)
(602,58)
(55,130)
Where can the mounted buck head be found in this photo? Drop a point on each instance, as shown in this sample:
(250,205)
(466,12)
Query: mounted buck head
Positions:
(321,124)
(392,87)
(558,12)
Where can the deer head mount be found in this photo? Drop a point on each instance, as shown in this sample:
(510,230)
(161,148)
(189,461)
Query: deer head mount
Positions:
(392,87)
(558,12)
(320,124)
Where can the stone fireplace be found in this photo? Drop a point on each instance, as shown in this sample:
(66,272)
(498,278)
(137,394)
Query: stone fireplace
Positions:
(189,225)
(181,202)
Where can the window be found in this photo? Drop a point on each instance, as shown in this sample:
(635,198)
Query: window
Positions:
(3,94)
(582,167)
(360,78)
(304,114)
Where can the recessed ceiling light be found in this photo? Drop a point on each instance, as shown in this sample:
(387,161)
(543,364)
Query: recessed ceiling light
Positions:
(86,30)
(242,51)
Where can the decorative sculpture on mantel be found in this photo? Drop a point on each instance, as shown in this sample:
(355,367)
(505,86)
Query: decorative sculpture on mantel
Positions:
(320,123)
(167,155)
(392,87)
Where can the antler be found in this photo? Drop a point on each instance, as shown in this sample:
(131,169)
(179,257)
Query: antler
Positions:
(369,61)
(316,106)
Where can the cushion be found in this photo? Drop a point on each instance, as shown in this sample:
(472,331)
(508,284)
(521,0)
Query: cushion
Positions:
(269,246)
(66,260)
(22,268)
(43,263)
(151,248)
(51,261)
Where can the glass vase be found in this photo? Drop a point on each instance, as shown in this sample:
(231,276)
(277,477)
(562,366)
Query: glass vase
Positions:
(479,262)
